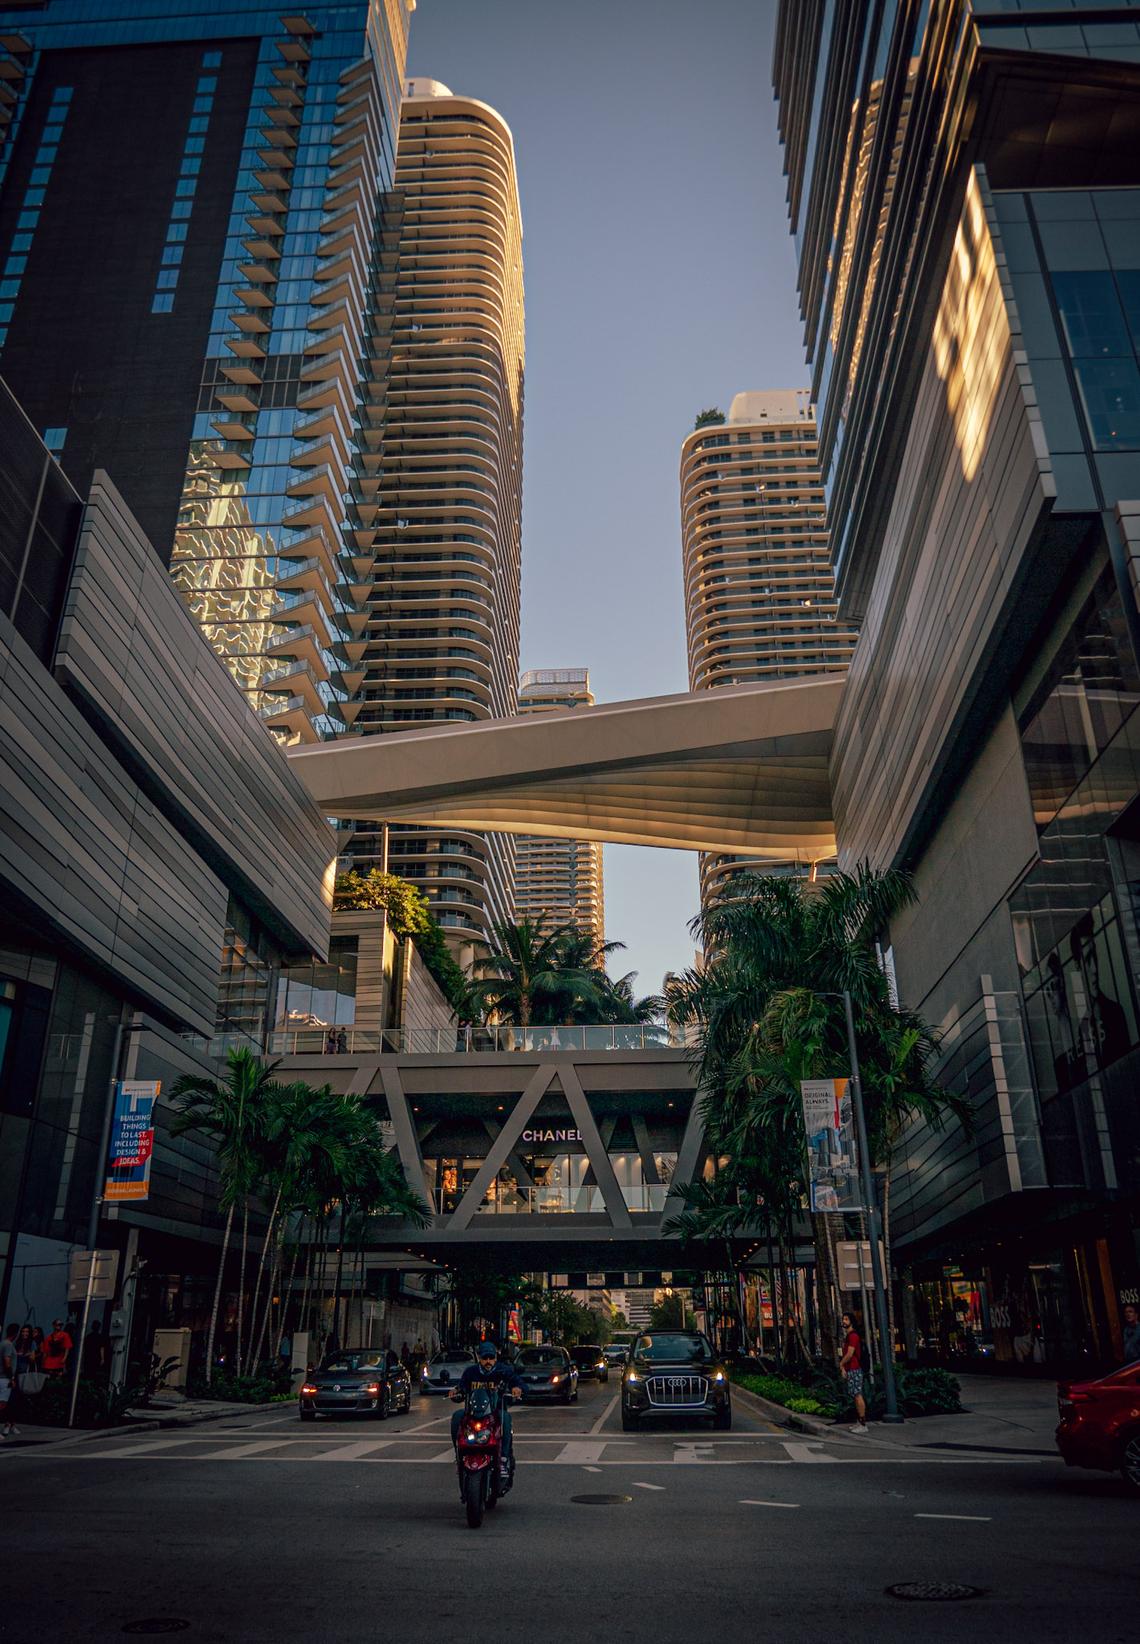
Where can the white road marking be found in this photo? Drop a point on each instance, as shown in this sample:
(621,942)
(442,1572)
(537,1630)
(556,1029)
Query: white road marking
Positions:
(961,1518)
(639,1485)
(692,1453)
(806,1451)
(748,1502)
(591,1469)
(581,1451)
(444,1455)
(145,1448)
(239,1451)
(353,1452)
(610,1407)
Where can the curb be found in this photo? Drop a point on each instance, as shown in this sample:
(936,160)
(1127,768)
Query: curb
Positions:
(153,1425)
(780,1414)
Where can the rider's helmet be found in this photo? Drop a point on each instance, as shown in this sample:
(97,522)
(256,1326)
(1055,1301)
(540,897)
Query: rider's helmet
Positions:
(486,1350)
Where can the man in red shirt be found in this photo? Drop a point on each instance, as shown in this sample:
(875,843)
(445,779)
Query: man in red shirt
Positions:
(57,1347)
(851,1363)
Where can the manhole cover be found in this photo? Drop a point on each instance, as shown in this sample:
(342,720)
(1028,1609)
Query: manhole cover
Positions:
(601,1501)
(932,1590)
(157,1624)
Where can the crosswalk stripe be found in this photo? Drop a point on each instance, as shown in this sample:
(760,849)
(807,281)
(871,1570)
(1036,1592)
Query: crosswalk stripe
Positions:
(581,1451)
(238,1452)
(747,1502)
(806,1452)
(353,1452)
(143,1447)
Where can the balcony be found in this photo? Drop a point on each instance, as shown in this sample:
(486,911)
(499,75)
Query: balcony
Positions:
(291,716)
(246,347)
(239,398)
(469,1041)
(234,428)
(321,480)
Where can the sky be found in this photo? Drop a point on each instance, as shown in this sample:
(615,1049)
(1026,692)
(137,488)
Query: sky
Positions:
(660,279)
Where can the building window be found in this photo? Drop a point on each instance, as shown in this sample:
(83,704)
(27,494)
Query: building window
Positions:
(54,439)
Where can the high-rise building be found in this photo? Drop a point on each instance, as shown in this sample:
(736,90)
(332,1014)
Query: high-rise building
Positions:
(964,190)
(196,243)
(759,591)
(559,878)
(442,634)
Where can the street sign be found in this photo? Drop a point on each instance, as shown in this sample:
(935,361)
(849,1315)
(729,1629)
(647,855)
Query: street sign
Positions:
(103,1279)
(132,1140)
(853,1255)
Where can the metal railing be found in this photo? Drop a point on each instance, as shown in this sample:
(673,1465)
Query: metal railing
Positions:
(554,1201)
(451,1041)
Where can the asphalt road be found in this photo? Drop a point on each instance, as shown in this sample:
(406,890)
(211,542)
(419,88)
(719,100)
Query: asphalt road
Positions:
(259,1528)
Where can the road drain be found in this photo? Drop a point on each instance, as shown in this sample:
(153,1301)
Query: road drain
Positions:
(932,1590)
(155,1624)
(601,1501)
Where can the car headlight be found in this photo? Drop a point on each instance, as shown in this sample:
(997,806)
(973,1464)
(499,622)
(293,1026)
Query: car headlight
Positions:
(555,1379)
(373,1388)
(632,1375)
(308,1389)
(720,1376)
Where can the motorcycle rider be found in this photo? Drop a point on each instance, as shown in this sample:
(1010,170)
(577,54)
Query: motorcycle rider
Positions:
(488,1373)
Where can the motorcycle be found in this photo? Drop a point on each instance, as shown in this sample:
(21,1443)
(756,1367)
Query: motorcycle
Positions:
(483,1477)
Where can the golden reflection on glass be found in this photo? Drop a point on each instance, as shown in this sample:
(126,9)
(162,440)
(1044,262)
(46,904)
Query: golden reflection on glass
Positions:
(971,332)
(221,564)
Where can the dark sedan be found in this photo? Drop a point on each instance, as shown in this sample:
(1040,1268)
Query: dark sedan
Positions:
(591,1362)
(546,1373)
(366,1381)
(1100,1424)
(674,1373)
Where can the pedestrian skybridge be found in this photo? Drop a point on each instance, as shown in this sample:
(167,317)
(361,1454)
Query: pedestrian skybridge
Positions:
(742,769)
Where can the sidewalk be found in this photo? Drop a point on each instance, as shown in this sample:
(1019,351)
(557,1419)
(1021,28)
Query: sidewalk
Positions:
(152,1418)
(997,1414)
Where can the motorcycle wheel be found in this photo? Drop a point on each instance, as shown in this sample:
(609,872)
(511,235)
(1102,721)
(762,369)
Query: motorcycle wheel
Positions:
(474,1496)
(492,1496)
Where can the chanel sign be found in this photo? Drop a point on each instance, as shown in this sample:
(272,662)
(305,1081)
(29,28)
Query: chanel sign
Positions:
(547,1135)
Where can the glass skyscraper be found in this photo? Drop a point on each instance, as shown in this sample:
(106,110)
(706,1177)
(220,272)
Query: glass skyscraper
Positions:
(196,272)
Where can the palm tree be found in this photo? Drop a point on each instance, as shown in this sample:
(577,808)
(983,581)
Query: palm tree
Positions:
(526,978)
(232,1113)
(777,948)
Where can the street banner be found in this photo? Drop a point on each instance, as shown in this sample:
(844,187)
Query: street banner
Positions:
(832,1170)
(132,1140)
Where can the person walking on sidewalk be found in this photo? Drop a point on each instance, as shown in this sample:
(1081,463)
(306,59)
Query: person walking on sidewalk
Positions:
(1131,1333)
(7,1380)
(851,1364)
(57,1350)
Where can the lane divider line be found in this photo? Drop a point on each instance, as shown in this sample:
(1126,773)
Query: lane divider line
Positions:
(748,1502)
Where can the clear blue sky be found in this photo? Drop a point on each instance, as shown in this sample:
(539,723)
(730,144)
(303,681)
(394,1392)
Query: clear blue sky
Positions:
(659,279)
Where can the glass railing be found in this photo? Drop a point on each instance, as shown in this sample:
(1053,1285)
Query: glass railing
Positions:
(472,1041)
(642,1198)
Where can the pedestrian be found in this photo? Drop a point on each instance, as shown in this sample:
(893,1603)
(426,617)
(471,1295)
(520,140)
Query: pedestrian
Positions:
(851,1363)
(1131,1333)
(94,1359)
(57,1350)
(342,1043)
(330,1042)
(405,1355)
(8,1381)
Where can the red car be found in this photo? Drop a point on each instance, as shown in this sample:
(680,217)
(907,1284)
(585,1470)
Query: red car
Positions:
(1100,1424)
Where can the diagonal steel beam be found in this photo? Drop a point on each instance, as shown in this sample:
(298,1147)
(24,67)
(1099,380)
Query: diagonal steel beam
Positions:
(595,1148)
(407,1142)
(502,1146)
(688,1158)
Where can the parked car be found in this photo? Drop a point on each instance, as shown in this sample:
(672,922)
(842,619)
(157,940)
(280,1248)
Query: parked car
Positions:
(591,1362)
(617,1353)
(547,1373)
(443,1370)
(1100,1424)
(367,1381)
(674,1373)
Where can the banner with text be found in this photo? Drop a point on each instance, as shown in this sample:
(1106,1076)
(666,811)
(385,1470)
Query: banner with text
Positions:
(132,1140)
(828,1127)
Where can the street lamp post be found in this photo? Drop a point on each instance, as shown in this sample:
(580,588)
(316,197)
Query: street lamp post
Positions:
(874,1225)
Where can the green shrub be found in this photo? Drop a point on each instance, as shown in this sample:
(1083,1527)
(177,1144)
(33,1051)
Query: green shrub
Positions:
(781,1390)
(96,1405)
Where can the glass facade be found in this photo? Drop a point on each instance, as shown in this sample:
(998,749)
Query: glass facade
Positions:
(265,549)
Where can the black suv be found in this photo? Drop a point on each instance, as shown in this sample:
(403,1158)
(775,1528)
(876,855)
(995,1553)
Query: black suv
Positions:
(674,1373)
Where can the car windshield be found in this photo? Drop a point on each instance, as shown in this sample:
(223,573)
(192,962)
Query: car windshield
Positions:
(540,1358)
(585,1355)
(665,1347)
(345,1363)
(452,1358)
